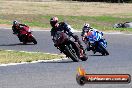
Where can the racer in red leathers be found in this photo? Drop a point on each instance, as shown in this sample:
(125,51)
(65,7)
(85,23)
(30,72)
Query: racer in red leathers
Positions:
(18,29)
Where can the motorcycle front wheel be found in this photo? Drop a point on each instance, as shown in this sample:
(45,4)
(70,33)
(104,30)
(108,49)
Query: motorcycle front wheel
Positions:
(71,53)
(34,40)
(104,51)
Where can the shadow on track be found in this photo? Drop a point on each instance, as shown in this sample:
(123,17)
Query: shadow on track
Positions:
(95,55)
(62,61)
(15,44)
(58,62)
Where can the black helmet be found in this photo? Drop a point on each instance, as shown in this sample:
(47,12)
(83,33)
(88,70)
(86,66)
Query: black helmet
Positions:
(53,21)
(15,22)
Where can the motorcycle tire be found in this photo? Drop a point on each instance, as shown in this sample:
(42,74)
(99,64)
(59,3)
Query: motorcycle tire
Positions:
(104,51)
(34,40)
(84,58)
(71,53)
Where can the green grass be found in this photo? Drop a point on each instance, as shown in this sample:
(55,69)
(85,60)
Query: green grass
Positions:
(18,57)
(100,22)
(99,15)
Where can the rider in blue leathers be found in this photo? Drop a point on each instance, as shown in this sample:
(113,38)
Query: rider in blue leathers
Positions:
(90,34)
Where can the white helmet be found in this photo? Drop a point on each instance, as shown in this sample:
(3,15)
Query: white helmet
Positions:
(86,25)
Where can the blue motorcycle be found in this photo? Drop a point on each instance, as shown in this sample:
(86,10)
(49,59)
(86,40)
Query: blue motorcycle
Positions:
(95,42)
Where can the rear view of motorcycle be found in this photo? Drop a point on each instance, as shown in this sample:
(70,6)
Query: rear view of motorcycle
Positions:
(70,48)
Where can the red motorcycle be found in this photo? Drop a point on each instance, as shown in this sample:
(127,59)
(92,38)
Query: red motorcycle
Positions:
(26,35)
(69,47)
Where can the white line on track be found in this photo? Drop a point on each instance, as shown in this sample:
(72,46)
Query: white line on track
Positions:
(39,61)
(10,64)
(33,52)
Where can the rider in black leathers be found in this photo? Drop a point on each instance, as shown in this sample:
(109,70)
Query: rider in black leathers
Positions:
(62,26)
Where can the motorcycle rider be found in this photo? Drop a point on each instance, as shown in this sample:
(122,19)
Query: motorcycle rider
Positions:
(87,27)
(91,33)
(17,27)
(63,26)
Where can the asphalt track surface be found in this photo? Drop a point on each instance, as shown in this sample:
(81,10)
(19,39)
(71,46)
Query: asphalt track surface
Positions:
(62,74)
